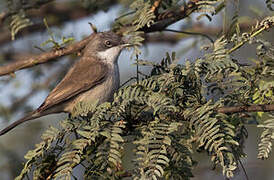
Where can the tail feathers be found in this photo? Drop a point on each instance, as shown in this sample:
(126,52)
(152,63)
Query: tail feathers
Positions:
(31,116)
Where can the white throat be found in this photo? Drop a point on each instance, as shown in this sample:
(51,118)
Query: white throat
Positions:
(110,55)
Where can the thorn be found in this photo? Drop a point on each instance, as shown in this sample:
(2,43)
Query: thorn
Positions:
(79,53)
(93,27)
(12,74)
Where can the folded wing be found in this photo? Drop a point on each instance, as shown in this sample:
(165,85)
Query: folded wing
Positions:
(84,75)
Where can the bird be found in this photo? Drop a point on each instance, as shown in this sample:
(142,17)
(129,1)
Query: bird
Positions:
(93,78)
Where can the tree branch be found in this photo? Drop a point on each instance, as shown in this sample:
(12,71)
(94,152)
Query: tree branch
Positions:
(4,15)
(167,18)
(163,20)
(155,5)
(265,24)
(173,38)
(44,57)
(60,13)
(246,108)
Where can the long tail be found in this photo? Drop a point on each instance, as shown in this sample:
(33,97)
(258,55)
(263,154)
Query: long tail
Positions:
(30,116)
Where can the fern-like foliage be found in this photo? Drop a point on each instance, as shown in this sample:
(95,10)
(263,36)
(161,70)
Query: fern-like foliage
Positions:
(269,4)
(169,114)
(218,63)
(154,108)
(152,149)
(214,134)
(221,73)
(143,15)
(180,156)
(18,22)
(40,154)
(206,7)
(267,137)
(265,87)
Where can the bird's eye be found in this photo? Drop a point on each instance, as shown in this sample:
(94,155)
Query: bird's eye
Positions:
(108,43)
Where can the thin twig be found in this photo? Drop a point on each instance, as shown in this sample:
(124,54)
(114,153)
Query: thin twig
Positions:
(246,40)
(241,164)
(155,5)
(191,33)
(246,108)
(123,15)
(265,24)
(137,68)
(130,79)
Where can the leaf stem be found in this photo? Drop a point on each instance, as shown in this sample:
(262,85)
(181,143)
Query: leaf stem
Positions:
(244,41)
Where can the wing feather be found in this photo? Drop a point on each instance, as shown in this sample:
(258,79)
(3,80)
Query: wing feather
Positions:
(85,74)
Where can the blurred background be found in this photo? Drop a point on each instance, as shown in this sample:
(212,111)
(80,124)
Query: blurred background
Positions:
(26,90)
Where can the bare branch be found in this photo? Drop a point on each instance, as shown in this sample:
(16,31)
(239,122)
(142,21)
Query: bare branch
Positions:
(60,12)
(167,18)
(164,20)
(252,108)
(44,57)
(4,15)
(155,5)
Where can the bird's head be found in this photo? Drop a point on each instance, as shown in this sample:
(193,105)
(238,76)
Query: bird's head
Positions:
(106,46)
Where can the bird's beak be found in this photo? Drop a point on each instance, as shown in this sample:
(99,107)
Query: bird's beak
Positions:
(126,45)
(125,42)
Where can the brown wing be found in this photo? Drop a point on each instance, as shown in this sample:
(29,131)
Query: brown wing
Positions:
(85,74)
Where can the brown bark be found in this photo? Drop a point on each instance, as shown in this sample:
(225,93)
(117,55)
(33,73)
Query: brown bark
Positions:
(251,108)
(59,13)
(43,57)
(163,21)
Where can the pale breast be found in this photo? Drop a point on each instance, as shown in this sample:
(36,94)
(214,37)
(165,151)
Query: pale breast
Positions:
(102,92)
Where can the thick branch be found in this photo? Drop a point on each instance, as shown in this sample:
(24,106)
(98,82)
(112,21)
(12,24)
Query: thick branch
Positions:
(252,108)
(164,21)
(4,15)
(44,57)
(167,18)
(59,12)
